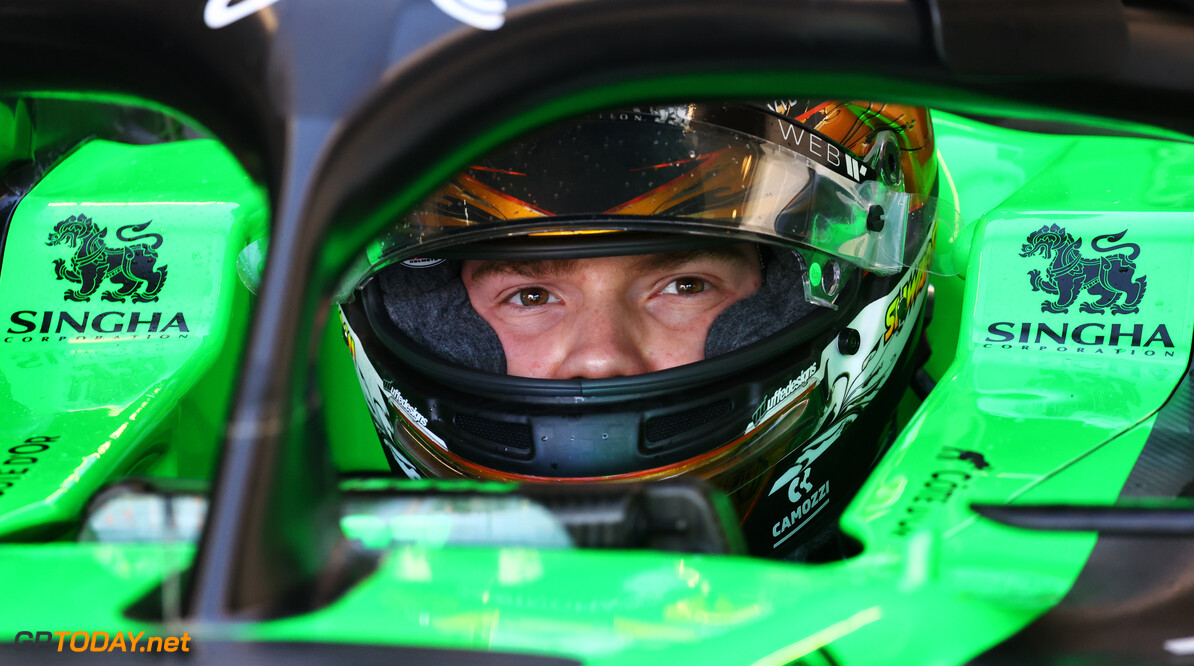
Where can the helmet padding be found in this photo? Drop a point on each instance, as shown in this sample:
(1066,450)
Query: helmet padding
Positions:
(431,306)
(778,303)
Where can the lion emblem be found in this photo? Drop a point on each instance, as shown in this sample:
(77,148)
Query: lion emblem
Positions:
(131,267)
(1110,277)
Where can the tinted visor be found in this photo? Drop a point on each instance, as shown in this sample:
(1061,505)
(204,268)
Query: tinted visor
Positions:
(722,170)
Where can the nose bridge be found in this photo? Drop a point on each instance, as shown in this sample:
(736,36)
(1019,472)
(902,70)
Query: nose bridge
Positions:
(605,341)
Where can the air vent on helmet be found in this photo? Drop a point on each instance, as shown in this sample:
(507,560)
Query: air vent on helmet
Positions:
(497,434)
(660,429)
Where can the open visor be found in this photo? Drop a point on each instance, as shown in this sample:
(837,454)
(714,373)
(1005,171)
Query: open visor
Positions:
(720,171)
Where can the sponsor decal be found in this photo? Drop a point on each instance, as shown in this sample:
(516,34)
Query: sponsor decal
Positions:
(795,128)
(852,381)
(382,404)
(21,459)
(60,326)
(908,295)
(412,414)
(133,266)
(807,500)
(940,486)
(1108,277)
(405,407)
(1112,287)
(422,262)
(783,396)
(1090,337)
(825,151)
(822,150)
(130,269)
(818,114)
(975,458)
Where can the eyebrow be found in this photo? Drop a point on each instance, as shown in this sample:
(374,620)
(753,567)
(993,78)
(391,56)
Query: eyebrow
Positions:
(669,260)
(544,268)
(530,268)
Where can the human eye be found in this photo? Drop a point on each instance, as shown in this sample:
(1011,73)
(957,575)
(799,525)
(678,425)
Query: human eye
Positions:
(685,286)
(532,297)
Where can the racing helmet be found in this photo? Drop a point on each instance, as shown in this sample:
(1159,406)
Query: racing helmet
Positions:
(793,400)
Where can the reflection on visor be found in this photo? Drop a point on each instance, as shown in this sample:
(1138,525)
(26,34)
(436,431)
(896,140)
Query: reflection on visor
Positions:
(645,174)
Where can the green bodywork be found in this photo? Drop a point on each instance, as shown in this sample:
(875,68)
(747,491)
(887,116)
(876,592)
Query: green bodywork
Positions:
(1030,407)
(93,390)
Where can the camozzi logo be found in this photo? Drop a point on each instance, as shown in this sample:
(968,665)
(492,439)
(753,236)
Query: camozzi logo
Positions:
(1111,287)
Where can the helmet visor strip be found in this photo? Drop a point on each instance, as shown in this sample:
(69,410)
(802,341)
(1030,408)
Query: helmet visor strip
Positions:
(661,170)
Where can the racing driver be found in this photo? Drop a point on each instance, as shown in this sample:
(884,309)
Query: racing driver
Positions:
(731,290)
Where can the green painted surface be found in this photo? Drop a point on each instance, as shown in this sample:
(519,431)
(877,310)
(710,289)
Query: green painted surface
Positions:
(90,387)
(83,587)
(1060,420)
(934,584)
(351,436)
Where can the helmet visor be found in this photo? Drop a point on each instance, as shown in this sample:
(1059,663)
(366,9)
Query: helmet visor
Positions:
(715,171)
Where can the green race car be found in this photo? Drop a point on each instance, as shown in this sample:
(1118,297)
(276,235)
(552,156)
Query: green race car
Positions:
(238,430)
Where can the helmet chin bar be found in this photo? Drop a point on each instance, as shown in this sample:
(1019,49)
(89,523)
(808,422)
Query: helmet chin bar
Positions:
(590,427)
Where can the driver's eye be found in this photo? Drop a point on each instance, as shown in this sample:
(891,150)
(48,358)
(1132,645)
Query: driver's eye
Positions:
(685,286)
(531,296)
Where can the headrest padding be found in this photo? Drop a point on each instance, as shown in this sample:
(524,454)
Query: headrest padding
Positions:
(431,306)
(778,303)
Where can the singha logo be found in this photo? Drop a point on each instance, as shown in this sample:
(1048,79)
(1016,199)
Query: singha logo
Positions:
(1108,277)
(131,266)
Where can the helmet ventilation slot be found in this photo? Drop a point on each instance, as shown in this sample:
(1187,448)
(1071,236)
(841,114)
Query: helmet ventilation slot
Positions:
(659,430)
(496,433)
